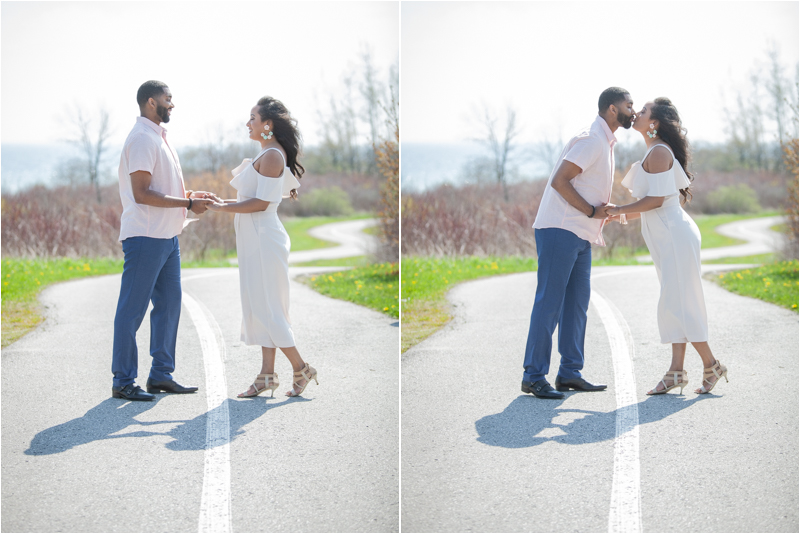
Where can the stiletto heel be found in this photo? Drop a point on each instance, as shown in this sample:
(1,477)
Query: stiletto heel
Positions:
(680,379)
(717,370)
(270,382)
(308,373)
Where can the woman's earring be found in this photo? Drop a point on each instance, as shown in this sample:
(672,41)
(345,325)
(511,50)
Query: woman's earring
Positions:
(265,136)
(652,135)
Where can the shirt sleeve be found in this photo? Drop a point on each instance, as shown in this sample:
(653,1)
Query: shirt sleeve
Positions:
(584,152)
(141,154)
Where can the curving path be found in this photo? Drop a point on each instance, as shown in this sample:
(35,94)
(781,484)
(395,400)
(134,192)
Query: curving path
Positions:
(480,456)
(760,239)
(74,459)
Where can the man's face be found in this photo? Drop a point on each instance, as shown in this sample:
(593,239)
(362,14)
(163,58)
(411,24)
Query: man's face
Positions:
(164,105)
(625,112)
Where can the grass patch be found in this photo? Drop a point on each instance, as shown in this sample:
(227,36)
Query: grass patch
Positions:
(298,227)
(374,286)
(774,282)
(24,279)
(769,257)
(352,261)
(427,280)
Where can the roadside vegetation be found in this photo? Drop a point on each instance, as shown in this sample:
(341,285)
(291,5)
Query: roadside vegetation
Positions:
(772,282)
(374,286)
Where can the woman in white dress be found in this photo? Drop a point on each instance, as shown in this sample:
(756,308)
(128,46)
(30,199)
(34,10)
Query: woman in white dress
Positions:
(661,183)
(262,244)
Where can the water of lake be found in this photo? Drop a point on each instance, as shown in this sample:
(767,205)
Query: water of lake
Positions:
(23,166)
(425,166)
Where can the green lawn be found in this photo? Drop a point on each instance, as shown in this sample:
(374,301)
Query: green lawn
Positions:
(352,261)
(374,286)
(24,279)
(775,282)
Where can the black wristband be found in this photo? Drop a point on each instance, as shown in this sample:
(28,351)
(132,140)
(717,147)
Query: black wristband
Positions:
(190,204)
(592,215)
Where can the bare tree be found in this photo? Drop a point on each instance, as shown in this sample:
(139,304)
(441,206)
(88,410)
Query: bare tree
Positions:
(90,134)
(501,139)
(776,87)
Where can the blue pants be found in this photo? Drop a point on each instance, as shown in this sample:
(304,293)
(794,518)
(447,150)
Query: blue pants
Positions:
(562,298)
(152,271)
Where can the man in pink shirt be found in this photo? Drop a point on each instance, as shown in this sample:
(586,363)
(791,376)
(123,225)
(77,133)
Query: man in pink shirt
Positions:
(154,208)
(570,218)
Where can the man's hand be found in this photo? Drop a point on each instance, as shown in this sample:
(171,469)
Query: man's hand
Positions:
(205,194)
(200,205)
(600,211)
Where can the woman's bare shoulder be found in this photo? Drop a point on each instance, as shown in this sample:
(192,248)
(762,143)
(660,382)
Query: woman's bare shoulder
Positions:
(658,160)
(270,164)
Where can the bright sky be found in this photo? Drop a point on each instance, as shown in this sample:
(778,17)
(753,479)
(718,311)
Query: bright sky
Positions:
(551,60)
(218,59)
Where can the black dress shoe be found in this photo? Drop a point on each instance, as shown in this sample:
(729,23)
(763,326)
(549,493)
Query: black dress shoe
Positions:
(132,392)
(170,386)
(542,389)
(579,384)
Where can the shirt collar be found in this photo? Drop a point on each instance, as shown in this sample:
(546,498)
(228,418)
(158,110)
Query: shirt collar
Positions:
(160,130)
(612,139)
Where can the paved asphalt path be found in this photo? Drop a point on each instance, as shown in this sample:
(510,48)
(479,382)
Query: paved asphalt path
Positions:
(480,456)
(76,460)
(350,236)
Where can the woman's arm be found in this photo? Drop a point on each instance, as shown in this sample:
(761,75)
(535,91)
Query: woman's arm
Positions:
(251,205)
(636,208)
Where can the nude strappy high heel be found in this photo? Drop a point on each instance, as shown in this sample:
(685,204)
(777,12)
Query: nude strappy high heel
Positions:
(679,379)
(717,370)
(270,382)
(308,373)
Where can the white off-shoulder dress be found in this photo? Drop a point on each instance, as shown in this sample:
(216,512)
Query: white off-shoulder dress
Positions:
(262,247)
(674,242)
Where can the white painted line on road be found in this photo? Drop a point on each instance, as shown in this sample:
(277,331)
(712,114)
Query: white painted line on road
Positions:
(625,514)
(215,504)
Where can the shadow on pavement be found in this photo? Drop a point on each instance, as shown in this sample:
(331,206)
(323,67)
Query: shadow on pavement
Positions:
(112,416)
(529,421)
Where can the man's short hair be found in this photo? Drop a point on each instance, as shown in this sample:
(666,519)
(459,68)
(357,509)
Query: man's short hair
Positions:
(148,90)
(610,96)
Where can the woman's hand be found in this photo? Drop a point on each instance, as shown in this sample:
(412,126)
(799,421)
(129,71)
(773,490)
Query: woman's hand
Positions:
(613,212)
(205,194)
(216,206)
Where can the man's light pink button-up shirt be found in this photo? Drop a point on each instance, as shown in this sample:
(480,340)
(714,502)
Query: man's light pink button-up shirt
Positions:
(592,149)
(146,149)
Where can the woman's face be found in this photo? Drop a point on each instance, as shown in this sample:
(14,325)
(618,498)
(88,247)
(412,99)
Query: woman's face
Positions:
(641,123)
(255,125)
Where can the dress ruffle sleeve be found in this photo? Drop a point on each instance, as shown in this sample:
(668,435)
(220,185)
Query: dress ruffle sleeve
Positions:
(289,183)
(252,185)
(663,184)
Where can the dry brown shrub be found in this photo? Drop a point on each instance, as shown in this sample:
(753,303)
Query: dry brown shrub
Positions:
(65,221)
(790,150)
(471,220)
(388,160)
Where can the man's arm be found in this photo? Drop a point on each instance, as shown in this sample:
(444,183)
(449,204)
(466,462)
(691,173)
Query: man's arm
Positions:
(142,194)
(562,183)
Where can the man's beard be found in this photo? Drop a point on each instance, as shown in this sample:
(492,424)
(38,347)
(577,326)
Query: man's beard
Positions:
(163,113)
(622,119)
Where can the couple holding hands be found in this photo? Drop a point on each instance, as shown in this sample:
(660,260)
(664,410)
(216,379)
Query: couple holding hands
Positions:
(155,205)
(573,210)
